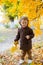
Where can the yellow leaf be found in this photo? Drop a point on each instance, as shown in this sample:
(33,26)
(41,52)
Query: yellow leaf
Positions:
(13,49)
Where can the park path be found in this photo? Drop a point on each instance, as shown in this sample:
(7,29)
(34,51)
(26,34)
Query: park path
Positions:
(7,36)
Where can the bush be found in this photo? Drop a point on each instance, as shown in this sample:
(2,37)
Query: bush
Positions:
(7,26)
(16,25)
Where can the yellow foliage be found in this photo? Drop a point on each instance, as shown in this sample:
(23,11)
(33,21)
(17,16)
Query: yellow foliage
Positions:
(36,25)
(41,11)
(26,1)
(13,1)
(37,32)
(28,8)
(13,49)
(0,2)
(12,10)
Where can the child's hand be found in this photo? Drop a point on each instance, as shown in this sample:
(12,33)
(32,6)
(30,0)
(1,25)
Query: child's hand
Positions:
(15,42)
(27,36)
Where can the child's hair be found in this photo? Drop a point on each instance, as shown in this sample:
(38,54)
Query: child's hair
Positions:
(23,18)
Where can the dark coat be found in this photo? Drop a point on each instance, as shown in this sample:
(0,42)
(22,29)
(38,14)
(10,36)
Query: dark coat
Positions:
(24,43)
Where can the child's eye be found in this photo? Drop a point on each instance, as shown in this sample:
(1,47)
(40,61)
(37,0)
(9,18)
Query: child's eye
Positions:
(25,22)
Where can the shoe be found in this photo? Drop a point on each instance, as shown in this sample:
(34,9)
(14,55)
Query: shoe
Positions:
(21,61)
(29,61)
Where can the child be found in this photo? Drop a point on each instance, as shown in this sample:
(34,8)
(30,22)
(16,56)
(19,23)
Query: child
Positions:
(25,34)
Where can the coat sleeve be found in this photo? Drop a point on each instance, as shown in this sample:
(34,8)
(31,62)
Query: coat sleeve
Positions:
(17,36)
(31,34)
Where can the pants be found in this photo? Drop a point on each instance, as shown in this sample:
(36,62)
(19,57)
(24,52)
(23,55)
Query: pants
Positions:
(24,53)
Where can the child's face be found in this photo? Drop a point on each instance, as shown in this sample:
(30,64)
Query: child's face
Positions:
(24,23)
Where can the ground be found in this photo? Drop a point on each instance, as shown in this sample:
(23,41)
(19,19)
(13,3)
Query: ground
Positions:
(6,42)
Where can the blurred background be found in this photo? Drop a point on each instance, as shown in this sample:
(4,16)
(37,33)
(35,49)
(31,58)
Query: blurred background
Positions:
(10,13)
